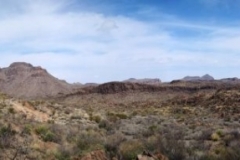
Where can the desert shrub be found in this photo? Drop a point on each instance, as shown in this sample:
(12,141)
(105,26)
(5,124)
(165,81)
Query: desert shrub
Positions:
(41,130)
(215,137)
(7,130)
(71,135)
(153,128)
(205,135)
(231,137)
(235,134)
(11,110)
(220,133)
(122,115)
(48,137)
(6,136)
(53,112)
(68,111)
(151,143)
(50,121)
(95,118)
(75,117)
(105,125)
(46,134)
(230,153)
(113,117)
(129,150)
(58,131)
(223,153)
(112,143)
(150,131)
(134,113)
(27,129)
(63,154)
(3,105)
(172,145)
(89,141)
(207,157)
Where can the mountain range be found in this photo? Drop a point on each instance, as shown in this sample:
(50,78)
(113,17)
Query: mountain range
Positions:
(23,80)
(205,77)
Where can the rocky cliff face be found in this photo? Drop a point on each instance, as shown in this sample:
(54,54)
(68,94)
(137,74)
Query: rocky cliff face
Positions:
(26,81)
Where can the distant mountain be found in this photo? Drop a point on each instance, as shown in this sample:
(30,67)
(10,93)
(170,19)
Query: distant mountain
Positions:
(26,81)
(231,80)
(90,84)
(150,81)
(205,77)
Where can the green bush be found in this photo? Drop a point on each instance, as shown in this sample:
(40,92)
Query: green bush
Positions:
(49,137)
(27,129)
(62,154)
(6,136)
(46,134)
(41,130)
(7,130)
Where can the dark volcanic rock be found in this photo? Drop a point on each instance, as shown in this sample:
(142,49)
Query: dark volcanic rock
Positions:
(118,87)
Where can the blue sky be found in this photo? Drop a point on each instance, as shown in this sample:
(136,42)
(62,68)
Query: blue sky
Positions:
(105,40)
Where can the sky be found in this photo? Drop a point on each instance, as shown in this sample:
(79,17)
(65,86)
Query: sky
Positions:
(113,40)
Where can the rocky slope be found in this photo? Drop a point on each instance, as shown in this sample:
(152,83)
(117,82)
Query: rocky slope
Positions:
(26,81)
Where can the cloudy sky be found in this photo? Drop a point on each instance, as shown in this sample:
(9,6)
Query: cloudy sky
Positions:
(105,40)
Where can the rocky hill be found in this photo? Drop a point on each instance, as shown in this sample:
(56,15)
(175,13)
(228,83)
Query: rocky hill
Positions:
(26,81)
(205,77)
(150,81)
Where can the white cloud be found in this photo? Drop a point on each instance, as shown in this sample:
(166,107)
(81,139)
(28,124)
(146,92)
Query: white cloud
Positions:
(77,46)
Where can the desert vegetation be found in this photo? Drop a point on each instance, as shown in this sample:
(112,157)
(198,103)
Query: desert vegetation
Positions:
(183,125)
